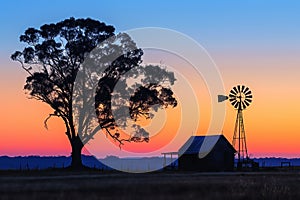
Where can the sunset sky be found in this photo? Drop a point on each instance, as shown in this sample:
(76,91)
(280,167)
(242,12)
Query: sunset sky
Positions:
(255,43)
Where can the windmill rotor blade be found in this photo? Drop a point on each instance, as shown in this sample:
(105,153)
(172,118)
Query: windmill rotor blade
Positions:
(236,102)
(234,88)
(249,97)
(246,90)
(233,92)
(232,99)
(247,93)
(248,100)
(239,88)
(244,105)
(237,105)
(232,96)
(243,88)
(233,102)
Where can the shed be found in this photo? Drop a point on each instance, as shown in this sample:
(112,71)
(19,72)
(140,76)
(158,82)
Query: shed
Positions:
(206,153)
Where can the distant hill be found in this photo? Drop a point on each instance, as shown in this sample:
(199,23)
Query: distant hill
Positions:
(44,162)
(108,163)
(124,164)
(276,162)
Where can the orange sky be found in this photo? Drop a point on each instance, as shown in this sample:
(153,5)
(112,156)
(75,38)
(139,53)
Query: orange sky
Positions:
(271,122)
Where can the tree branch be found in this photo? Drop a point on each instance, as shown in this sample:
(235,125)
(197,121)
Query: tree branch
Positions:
(46,120)
(116,138)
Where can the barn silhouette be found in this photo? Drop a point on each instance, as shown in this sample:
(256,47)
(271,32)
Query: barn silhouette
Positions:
(206,153)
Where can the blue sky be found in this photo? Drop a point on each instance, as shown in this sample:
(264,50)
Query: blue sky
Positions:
(215,24)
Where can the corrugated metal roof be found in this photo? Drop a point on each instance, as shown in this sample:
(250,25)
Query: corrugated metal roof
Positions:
(200,144)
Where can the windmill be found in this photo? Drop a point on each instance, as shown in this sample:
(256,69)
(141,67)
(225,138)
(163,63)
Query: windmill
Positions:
(240,98)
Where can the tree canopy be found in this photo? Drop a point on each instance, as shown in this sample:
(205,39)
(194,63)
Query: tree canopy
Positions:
(74,67)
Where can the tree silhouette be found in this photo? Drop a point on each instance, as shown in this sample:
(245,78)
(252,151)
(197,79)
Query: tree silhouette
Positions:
(74,67)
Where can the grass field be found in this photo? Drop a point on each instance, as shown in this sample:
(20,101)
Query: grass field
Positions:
(164,185)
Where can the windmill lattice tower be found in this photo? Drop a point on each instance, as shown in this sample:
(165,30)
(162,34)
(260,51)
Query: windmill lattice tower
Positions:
(240,98)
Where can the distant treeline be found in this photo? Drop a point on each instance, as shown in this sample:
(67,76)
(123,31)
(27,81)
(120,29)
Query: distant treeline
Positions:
(44,162)
(277,162)
(108,163)
(124,164)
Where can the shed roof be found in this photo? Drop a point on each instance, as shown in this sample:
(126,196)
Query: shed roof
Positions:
(202,144)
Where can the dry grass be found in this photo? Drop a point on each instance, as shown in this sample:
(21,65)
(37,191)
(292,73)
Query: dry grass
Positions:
(175,185)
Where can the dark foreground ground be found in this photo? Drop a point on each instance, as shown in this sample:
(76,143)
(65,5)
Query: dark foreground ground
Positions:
(169,185)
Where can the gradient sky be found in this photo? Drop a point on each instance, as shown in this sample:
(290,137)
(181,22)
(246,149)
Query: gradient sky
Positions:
(256,43)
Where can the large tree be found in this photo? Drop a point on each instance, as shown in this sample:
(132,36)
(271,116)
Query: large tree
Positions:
(57,54)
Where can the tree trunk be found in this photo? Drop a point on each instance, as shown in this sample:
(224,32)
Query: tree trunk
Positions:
(76,153)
